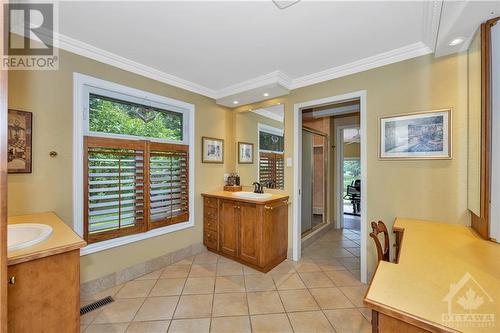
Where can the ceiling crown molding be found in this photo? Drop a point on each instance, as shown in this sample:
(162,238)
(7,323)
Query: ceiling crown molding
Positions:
(431,17)
(86,50)
(263,80)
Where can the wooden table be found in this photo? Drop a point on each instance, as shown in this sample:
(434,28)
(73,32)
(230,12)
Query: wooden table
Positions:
(447,279)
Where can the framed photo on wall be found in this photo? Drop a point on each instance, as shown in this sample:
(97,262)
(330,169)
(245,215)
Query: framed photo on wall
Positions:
(245,153)
(19,141)
(420,135)
(212,150)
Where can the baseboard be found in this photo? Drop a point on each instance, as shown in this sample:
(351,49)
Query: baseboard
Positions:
(135,271)
(317,234)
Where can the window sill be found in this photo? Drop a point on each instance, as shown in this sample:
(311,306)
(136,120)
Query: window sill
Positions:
(109,244)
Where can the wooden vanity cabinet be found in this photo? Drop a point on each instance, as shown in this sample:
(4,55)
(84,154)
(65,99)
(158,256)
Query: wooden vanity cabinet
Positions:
(44,294)
(255,234)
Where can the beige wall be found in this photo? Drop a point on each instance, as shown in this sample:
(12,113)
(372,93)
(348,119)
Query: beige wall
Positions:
(245,130)
(426,189)
(49,95)
(434,190)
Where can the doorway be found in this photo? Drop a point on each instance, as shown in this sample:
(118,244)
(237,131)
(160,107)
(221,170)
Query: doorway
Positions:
(314,178)
(299,191)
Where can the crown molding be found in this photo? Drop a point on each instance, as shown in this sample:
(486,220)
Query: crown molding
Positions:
(431,18)
(382,59)
(86,50)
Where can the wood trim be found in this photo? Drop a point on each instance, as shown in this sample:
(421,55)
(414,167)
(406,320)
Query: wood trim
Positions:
(3,194)
(481,223)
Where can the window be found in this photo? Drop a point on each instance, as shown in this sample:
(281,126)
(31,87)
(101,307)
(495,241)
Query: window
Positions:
(271,159)
(135,169)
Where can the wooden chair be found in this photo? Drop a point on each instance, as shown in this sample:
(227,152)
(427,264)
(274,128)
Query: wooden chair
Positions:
(383,254)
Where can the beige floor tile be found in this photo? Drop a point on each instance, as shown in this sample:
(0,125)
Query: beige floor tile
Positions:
(194,306)
(107,328)
(250,271)
(89,317)
(288,281)
(307,266)
(348,321)
(157,308)
(151,276)
(231,268)
(316,280)
(367,313)
(340,253)
(83,328)
(343,278)
(148,326)
(175,271)
(190,326)
(231,304)
(168,287)
(264,302)
(102,294)
(259,283)
(137,288)
(226,284)
(120,311)
(354,250)
(185,261)
(199,285)
(286,267)
(298,300)
(313,321)
(206,258)
(239,324)
(202,270)
(351,263)
(330,265)
(331,298)
(355,294)
(271,323)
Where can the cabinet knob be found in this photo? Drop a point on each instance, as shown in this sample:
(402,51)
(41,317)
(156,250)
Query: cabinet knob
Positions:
(268,207)
(12,280)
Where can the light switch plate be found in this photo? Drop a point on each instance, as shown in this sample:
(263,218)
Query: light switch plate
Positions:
(289,162)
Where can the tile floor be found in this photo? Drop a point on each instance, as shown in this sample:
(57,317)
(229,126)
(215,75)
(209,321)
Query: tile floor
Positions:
(209,293)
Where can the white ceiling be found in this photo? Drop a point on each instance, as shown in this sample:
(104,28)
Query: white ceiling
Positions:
(225,49)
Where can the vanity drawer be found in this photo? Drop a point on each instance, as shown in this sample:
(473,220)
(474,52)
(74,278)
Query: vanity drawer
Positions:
(211,224)
(210,239)
(210,202)
(211,213)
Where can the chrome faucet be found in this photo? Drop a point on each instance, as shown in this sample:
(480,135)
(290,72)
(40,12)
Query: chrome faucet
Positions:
(258,188)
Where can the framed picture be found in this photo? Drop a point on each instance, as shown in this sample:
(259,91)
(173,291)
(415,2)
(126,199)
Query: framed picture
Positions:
(420,135)
(19,141)
(245,153)
(212,150)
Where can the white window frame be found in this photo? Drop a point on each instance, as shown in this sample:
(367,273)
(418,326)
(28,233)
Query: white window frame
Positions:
(83,85)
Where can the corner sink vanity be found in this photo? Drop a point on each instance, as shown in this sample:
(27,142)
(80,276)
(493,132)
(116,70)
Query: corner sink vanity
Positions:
(251,228)
(43,274)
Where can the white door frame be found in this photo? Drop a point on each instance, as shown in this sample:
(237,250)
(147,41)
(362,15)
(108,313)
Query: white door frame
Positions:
(297,181)
(339,172)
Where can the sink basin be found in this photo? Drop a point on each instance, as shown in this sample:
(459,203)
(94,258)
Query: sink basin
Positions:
(251,195)
(23,235)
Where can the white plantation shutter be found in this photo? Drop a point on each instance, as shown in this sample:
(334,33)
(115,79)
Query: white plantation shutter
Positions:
(133,186)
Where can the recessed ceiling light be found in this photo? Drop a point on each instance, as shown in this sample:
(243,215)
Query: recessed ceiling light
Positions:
(235,102)
(456,41)
(266,94)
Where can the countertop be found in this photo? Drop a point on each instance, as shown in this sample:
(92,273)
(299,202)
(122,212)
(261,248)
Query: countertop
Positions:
(439,264)
(230,196)
(62,239)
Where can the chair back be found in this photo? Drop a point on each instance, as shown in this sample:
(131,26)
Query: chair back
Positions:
(377,228)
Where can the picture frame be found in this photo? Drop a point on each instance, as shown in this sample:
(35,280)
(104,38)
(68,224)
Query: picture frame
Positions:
(19,147)
(245,153)
(416,136)
(212,150)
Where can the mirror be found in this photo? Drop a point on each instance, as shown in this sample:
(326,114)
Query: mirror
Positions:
(474,125)
(260,144)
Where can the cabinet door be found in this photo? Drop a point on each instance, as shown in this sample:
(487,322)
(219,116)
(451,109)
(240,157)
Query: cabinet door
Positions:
(228,227)
(249,249)
(275,231)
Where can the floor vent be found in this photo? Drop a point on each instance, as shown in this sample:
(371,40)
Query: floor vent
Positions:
(96,305)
